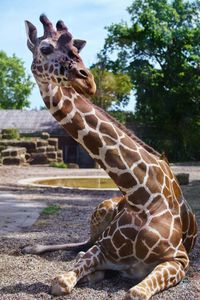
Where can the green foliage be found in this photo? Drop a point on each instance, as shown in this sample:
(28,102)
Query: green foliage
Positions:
(10,133)
(160,50)
(119,115)
(51,209)
(123,117)
(113,89)
(15,85)
(60,165)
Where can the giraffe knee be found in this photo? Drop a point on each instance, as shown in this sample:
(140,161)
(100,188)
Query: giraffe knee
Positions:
(134,294)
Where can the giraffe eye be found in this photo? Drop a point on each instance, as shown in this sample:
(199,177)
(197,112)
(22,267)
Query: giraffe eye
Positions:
(72,55)
(46,50)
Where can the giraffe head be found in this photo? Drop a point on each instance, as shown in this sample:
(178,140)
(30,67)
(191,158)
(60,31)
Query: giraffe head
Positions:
(56,57)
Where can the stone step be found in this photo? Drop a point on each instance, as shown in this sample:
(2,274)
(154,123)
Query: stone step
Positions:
(13,152)
(13,161)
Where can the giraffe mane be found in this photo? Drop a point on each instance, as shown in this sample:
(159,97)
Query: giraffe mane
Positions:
(130,133)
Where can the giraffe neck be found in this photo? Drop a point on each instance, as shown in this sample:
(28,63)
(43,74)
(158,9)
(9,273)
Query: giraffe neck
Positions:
(109,145)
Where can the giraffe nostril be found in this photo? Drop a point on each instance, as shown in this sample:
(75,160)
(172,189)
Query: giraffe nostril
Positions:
(83,73)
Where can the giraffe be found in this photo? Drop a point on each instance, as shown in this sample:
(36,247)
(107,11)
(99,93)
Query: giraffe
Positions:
(147,233)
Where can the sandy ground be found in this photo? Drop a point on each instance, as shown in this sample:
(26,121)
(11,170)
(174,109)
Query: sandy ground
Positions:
(28,277)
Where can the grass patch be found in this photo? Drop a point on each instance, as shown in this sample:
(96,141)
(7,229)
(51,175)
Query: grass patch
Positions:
(60,165)
(10,133)
(51,210)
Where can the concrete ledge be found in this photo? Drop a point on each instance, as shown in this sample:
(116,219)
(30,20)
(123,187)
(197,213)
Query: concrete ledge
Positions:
(16,215)
(183,178)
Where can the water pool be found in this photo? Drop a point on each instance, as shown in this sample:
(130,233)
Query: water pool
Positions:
(79,182)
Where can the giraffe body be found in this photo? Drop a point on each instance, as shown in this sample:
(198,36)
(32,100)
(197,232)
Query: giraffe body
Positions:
(146,233)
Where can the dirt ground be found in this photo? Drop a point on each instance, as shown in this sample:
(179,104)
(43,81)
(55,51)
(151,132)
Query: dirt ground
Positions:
(28,277)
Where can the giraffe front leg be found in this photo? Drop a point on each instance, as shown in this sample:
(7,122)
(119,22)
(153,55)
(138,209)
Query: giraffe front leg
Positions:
(87,264)
(164,275)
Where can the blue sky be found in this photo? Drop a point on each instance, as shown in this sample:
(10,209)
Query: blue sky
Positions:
(86,19)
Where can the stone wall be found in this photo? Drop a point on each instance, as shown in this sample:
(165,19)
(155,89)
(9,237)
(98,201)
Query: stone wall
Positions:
(37,151)
(14,156)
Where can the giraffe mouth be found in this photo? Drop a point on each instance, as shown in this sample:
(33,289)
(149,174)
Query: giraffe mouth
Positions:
(84,83)
(84,87)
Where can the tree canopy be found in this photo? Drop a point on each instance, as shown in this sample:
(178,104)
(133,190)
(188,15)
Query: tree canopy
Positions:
(113,89)
(160,50)
(15,84)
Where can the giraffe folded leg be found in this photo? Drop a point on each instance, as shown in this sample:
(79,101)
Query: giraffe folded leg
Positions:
(103,215)
(164,275)
(100,219)
(88,264)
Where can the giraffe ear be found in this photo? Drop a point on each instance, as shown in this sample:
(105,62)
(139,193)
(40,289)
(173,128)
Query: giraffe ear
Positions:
(79,44)
(31,33)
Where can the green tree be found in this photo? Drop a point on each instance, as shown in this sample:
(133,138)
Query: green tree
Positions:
(160,50)
(113,89)
(15,85)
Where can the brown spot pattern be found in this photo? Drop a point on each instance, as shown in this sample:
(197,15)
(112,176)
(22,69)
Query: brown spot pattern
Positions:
(126,141)
(143,217)
(118,239)
(76,125)
(139,197)
(57,97)
(40,69)
(92,121)
(162,224)
(46,66)
(125,180)
(47,101)
(109,141)
(51,68)
(129,156)
(106,128)
(176,189)
(82,104)
(147,157)
(140,172)
(64,111)
(113,159)
(125,218)
(157,205)
(129,232)
(127,249)
(155,179)
(166,193)
(92,142)
(101,116)
(141,249)
(175,238)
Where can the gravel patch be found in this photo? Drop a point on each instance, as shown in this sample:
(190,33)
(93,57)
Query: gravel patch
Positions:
(25,277)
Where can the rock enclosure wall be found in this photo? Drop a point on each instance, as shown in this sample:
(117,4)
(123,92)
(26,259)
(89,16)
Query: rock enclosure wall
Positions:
(33,151)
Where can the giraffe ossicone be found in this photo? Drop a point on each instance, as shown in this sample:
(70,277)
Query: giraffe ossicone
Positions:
(146,233)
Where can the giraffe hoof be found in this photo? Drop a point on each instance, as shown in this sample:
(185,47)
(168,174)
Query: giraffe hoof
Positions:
(58,290)
(63,284)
